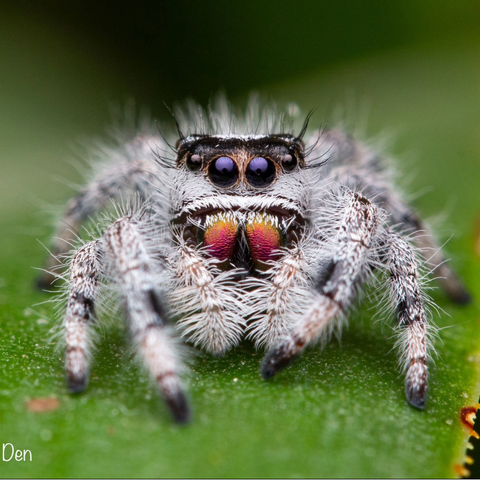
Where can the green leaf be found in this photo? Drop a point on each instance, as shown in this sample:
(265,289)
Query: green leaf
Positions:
(336,413)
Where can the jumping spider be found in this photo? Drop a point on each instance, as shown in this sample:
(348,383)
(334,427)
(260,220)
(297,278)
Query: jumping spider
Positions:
(266,236)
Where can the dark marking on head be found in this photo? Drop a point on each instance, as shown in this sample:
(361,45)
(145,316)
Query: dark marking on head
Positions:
(274,147)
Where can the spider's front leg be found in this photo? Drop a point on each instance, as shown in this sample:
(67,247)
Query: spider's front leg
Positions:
(137,278)
(337,285)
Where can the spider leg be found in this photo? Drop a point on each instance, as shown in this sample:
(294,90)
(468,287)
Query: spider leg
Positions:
(362,169)
(335,292)
(107,185)
(446,276)
(209,314)
(272,300)
(79,316)
(406,296)
(137,281)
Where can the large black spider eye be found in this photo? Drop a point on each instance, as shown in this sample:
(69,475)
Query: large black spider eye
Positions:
(194,162)
(260,172)
(223,172)
(289,162)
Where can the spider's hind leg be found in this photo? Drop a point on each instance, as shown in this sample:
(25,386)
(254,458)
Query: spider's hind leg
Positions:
(435,258)
(409,302)
(135,173)
(362,169)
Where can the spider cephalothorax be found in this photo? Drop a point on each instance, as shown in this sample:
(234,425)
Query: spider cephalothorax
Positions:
(245,221)
(265,236)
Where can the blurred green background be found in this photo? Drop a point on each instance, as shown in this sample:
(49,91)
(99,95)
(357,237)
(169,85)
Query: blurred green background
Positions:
(407,67)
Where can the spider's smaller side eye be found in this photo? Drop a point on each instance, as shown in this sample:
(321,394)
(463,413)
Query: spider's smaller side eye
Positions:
(223,172)
(289,162)
(194,162)
(260,172)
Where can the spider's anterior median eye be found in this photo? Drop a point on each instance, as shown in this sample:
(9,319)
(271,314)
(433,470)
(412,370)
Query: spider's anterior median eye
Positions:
(223,172)
(289,162)
(260,172)
(194,162)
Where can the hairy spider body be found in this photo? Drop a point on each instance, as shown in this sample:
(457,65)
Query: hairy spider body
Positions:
(265,236)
